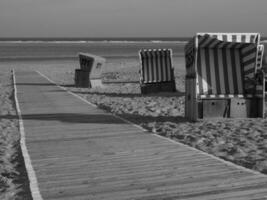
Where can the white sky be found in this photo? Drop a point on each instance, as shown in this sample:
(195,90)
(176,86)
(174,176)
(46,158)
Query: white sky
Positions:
(130,18)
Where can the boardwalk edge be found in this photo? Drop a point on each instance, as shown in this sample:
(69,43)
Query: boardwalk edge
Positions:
(34,188)
(228,163)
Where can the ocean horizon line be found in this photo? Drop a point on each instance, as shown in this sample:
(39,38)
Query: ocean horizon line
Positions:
(93,39)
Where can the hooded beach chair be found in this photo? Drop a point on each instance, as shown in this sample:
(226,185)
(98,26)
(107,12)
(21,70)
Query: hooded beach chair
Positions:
(156,72)
(224,76)
(90,72)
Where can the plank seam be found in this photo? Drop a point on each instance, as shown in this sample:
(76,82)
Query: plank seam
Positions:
(34,188)
(228,163)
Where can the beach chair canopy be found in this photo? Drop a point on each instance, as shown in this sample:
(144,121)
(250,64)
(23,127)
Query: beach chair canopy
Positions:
(91,63)
(156,65)
(224,64)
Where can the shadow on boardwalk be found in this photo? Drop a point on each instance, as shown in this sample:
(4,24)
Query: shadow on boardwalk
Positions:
(96,118)
(36,84)
(69,118)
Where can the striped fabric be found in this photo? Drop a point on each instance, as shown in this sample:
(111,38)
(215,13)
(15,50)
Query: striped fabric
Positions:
(156,65)
(190,46)
(229,37)
(217,96)
(260,80)
(223,67)
(249,58)
(260,83)
(189,61)
(190,54)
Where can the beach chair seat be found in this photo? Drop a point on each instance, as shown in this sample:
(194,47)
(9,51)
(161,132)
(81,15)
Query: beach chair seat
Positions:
(90,72)
(156,71)
(224,76)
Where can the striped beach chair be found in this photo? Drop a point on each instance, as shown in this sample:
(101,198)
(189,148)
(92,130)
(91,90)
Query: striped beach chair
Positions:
(90,72)
(224,76)
(156,71)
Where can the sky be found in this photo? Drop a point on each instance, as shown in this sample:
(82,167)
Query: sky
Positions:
(130,18)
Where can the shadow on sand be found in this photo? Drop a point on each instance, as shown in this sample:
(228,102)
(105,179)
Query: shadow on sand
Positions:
(114,94)
(139,119)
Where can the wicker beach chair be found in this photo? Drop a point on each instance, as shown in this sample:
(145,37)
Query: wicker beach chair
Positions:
(156,71)
(224,76)
(90,72)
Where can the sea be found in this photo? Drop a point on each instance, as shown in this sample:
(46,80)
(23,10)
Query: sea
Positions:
(15,49)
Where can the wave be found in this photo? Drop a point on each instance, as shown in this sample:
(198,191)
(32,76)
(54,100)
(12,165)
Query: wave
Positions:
(40,41)
(72,57)
(160,41)
(25,58)
(88,41)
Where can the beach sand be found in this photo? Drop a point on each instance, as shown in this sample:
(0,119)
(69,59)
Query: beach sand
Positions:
(13,176)
(241,141)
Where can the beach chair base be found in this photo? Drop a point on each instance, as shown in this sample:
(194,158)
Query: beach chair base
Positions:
(229,108)
(241,108)
(96,83)
(147,88)
(81,78)
(214,108)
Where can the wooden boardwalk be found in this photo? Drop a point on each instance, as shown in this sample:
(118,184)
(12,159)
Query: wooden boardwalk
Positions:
(80,152)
